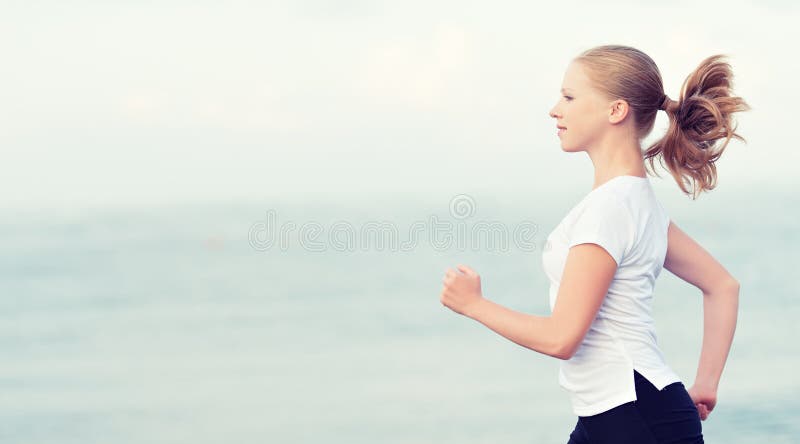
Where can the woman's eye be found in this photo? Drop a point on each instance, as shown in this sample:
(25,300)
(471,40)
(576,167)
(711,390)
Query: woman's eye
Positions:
(568,97)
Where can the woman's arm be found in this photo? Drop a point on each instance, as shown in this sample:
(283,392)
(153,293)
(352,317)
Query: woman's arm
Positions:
(720,309)
(534,332)
(462,293)
(588,272)
(690,262)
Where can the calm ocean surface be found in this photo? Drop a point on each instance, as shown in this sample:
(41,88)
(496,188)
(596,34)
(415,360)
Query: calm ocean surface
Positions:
(168,325)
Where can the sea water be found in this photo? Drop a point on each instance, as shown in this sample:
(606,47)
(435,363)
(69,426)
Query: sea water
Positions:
(177,323)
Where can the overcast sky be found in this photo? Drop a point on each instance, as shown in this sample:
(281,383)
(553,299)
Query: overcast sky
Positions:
(172,101)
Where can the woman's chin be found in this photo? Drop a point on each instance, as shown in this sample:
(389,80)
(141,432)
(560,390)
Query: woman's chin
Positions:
(568,147)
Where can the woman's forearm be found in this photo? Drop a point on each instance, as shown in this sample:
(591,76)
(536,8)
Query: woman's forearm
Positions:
(534,332)
(720,309)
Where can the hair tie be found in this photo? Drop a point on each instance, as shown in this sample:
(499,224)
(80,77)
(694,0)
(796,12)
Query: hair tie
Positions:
(666,103)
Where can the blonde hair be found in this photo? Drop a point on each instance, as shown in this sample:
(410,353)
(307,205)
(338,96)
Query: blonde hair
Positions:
(700,117)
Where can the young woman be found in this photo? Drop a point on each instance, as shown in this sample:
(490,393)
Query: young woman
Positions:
(604,257)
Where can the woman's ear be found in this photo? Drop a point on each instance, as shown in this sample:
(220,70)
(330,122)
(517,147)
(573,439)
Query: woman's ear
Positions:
(618,112)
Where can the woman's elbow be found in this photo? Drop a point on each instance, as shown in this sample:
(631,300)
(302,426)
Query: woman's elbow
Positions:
(729,286)
(565,351)
(734,285)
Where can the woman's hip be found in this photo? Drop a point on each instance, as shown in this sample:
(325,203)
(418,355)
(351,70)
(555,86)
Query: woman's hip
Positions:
(667,415)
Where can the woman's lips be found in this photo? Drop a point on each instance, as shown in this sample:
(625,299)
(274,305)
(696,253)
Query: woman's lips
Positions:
(561,131)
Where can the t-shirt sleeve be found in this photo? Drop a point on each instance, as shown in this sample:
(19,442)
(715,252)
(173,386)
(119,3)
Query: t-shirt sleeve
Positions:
(606,222)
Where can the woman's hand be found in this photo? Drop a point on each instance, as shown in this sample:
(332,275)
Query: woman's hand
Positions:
(462,290)
(705,398)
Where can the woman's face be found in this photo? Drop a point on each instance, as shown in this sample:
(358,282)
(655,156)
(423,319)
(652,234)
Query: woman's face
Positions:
(581,109)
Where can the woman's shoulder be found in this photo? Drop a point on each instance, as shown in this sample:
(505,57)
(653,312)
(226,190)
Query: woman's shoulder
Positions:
(629,194)
(608,199)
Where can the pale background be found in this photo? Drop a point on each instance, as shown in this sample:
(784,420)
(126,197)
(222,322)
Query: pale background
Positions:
(141,142)
(141,102)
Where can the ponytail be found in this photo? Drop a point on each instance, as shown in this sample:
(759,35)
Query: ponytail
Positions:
(700,118)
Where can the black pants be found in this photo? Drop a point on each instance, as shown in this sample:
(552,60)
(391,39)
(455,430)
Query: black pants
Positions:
(666,416)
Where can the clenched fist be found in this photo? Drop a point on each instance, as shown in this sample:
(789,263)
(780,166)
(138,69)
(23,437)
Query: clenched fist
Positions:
(462,289)
(704,398)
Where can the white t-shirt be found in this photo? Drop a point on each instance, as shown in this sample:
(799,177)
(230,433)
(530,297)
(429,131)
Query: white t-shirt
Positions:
(624,217)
